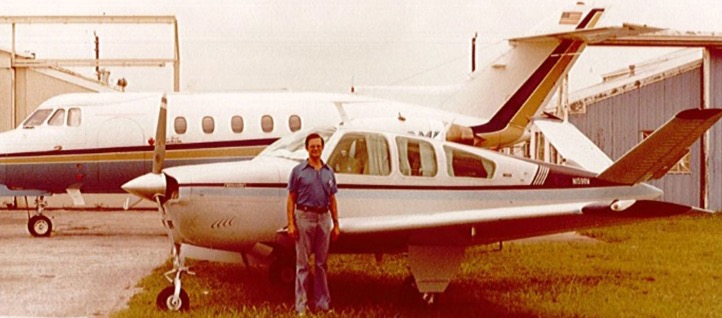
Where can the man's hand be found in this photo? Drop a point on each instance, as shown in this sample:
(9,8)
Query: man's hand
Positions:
(292,231)
(335,232)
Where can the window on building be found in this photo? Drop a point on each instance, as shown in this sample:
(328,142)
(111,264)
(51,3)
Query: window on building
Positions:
(208,124)
(237,124)
(361,153)
(74,117)
(180,125)
(267,123)
(682,166)
(58,118)
(464,164)
(416,158)
(294,123)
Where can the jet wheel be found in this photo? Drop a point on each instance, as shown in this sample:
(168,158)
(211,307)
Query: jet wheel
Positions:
(40,226)
(165,302)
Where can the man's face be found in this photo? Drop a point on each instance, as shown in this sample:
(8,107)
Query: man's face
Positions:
(315,147)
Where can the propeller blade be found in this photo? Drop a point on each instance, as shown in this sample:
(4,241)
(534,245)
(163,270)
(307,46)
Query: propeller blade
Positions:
(159,150)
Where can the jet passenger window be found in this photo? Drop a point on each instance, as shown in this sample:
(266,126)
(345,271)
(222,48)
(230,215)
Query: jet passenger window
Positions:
(208,125)
(58,118)
(237,124)
(357,153)
(180,125)
(416,158)
(294,123)
(465,164)
(37,118)
(74,117)
(267,123)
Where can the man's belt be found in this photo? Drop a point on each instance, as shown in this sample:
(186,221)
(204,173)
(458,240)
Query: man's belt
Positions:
(314,209)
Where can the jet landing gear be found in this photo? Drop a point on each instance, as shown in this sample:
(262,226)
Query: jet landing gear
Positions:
(175,298)
(39,225)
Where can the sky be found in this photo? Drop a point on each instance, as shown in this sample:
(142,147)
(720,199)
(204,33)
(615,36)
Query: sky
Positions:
(324,45)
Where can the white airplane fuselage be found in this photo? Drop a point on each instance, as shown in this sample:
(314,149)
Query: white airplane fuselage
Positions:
(232,206)
(109,138)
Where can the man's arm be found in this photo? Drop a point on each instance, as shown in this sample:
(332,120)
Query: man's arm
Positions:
(336,231)
(290,207)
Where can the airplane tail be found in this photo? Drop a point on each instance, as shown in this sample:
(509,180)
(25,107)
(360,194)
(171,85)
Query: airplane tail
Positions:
(655,155)
(522,80)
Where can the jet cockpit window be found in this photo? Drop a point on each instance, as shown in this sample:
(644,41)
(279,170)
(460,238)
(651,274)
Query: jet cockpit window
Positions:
(361,153)
(294,123)
(237,124)
(58,118)
(416,157)
(293,146)
(74,117)
(464,164)
(208,125)
(267,123)
(37,118)
(180,125)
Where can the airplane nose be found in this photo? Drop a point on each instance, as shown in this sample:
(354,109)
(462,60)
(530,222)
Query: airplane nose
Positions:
(147,186)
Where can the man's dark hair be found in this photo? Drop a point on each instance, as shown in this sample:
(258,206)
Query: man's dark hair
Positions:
(313,136)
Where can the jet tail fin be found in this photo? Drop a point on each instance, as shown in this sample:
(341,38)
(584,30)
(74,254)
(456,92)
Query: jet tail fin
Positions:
(653,157)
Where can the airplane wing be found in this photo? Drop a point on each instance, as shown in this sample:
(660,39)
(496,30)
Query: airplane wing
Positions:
(7,192)
(499,224)
(592,36)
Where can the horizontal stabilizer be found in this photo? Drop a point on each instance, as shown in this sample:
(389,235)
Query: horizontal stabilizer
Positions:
(654,156)
(591,36)
(573,145)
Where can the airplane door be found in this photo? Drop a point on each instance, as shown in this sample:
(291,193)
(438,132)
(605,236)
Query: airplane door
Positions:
(121,142)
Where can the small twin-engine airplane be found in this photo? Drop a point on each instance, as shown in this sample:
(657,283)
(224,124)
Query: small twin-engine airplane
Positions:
(94,143)
(398,193)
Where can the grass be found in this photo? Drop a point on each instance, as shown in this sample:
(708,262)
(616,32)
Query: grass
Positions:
(664,268)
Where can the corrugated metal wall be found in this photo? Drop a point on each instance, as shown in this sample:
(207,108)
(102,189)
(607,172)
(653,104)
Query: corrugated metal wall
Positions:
(715,141)
(615,124)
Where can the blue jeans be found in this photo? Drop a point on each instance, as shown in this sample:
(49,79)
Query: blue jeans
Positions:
(314,235)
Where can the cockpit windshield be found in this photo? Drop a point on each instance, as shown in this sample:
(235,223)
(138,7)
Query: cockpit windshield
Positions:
(293,146)
(37,118)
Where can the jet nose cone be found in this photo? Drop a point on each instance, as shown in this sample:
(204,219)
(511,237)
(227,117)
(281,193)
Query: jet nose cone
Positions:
(147,186)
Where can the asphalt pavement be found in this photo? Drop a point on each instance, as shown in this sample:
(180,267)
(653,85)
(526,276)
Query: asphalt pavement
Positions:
(89,267)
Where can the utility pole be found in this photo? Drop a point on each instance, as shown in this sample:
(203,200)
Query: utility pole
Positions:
(97,55)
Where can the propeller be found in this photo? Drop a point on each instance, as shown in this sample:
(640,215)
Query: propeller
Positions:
(152,186)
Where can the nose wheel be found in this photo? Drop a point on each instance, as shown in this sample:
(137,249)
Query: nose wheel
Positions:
(40,226)
(167,301)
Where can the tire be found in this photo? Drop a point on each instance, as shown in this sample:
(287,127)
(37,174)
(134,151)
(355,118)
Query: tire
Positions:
(40,226)
(164,301)
(282,272)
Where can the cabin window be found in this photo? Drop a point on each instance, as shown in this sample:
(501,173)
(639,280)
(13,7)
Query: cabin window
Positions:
(267,123)
(683,166)
(37,118)
(357,153)
(74,117)
(58,118)
(208,125)
(416,158)
(180,125)
(294,123)
(237,124)
(465,164)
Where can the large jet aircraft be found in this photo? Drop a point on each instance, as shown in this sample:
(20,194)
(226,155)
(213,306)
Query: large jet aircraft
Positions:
(403,193)
(93,143)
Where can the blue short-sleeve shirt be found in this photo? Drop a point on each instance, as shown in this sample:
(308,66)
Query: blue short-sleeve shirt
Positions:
(312,188)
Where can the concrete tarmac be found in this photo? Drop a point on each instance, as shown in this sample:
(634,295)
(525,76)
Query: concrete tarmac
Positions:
(89,267)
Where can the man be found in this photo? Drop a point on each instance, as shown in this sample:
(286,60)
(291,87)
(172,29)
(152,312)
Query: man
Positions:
(311,196)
